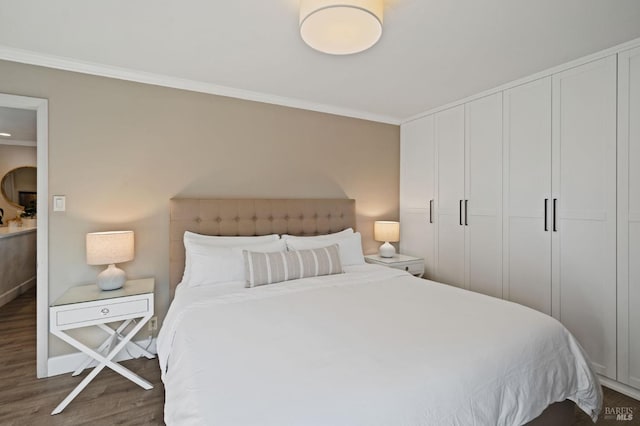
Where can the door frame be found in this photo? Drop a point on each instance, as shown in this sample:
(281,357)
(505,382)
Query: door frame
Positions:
(41,106)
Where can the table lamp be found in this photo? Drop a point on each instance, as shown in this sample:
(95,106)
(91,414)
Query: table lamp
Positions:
(109,248)
(389,232)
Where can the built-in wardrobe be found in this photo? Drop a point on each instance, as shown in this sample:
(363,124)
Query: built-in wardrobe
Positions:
(531,193)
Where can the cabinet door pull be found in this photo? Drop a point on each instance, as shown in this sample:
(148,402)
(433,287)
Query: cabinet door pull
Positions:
(546,204)
(555,217)
(460,212)
(430,211)
(466,212)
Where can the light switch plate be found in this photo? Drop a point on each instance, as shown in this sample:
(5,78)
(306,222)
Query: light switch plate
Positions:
(59,203)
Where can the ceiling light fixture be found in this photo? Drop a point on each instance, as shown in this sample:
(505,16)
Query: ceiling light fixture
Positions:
(341,27)
(5,134)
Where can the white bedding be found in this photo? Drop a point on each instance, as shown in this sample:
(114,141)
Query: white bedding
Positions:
(372,346)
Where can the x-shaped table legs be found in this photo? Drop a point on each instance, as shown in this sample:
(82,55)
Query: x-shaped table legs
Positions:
(104,361)
(114,335)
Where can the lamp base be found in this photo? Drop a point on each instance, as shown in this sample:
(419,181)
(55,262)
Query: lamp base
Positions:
(111,278)
(387,250)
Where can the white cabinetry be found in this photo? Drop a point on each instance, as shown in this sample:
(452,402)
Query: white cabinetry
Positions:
(417,191)
(483,195)
(469,195)
(629,217)
(450,236)
(537,200)
(584,208)
(560,202)
(527,195)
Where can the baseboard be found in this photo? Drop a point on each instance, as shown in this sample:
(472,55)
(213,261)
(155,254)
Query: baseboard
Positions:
(620,387)
(64,364)
(9,295)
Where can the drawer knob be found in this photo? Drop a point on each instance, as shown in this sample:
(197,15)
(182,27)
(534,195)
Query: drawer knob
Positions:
(406,268)
(104,311)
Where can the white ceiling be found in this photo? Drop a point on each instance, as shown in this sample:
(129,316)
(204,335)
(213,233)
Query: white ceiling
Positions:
(431,52)
(20,123)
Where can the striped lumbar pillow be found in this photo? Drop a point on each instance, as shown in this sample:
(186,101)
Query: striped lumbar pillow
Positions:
(269,268)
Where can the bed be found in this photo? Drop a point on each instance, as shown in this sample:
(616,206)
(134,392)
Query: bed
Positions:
(368,346)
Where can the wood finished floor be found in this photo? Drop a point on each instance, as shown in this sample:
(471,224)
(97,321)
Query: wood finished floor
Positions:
(110,399)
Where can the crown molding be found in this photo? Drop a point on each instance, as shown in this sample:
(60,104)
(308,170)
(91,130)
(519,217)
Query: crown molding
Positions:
(68,64)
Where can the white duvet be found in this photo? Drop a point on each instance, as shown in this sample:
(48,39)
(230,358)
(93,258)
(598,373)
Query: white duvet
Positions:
(373,346)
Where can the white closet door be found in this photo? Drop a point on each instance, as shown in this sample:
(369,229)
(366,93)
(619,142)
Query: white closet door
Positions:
(449,138)
(629,217)
(416,164)
(527,190)
(483,213)
(417,160)
(584,184)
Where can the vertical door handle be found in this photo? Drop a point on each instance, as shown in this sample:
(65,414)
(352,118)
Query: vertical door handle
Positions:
(430,211)
(460,212)
(555,217)
(466,212)
(546,224)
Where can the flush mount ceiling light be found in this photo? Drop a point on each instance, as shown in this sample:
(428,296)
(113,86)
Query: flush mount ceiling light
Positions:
(341,27)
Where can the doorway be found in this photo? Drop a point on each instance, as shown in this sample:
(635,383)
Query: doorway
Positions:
(40,106)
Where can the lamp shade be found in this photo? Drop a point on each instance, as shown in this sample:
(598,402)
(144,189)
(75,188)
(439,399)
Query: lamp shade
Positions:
(105,248)
(341,27)
(387,231)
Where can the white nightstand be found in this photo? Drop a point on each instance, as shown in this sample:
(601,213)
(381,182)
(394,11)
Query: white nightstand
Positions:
(87,305)
(413,265)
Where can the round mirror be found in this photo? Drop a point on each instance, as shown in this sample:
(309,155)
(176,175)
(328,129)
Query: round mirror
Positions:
(19,188)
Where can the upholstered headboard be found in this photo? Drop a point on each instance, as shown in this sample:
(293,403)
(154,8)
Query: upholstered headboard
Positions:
(248,217)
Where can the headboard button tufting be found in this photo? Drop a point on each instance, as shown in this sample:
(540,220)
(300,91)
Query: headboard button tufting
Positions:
(218,219)
(197,220)
(237,219)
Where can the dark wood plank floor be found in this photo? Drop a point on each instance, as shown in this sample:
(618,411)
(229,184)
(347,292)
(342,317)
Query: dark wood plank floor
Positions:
(110,399)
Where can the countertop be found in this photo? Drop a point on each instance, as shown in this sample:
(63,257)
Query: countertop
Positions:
(6,233)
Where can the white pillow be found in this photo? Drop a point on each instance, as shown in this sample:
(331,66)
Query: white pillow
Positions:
(205,256)
(326,237)
(350,246)
(227,241)
(217,241)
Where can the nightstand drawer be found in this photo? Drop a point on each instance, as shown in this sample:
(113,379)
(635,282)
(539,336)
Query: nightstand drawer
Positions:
(98,312)
(413,268)
(413,265)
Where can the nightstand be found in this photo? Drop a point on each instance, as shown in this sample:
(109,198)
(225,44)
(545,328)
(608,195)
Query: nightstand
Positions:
(87,305)
(413,265)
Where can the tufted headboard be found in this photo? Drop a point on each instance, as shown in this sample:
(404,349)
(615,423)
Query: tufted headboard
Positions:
(248,217)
